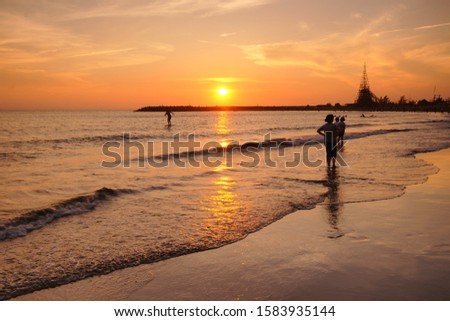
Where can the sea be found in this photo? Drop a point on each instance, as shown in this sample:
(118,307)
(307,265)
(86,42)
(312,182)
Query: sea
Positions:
(85,193)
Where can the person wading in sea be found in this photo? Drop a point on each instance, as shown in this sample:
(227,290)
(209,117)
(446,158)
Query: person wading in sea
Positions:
(330,133)
(169,117)
(341,128)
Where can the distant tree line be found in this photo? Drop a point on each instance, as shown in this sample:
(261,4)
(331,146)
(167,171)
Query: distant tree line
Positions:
(380,104)
(404,104)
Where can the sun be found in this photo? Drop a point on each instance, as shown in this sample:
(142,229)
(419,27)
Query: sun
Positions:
(222,91)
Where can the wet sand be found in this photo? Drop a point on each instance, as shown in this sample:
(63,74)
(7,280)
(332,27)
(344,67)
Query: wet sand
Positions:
(396,249)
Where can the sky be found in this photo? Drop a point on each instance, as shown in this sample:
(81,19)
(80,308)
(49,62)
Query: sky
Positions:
(126,54)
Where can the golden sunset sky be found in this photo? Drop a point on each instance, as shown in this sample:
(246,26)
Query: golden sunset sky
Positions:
(125,54)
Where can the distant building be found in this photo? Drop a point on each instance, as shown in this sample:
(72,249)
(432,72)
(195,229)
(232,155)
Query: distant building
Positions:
(365,97)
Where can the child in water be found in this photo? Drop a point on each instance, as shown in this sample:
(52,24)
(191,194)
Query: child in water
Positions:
(341,129)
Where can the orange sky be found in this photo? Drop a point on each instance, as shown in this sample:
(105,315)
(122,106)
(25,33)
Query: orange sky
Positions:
(131,53)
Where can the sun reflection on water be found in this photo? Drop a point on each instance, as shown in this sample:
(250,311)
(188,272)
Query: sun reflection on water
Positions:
(222,127)
(225,208)
(227,211)
(223,202)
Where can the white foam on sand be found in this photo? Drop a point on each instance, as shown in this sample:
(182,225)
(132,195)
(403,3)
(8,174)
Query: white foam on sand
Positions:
(395,249)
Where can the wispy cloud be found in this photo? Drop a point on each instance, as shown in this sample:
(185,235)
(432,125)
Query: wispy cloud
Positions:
(400,54)
(374,25)
(234,5)
(228,34)
(446,24)
(316,54)
(427,27)
(35,45)
(30,41)
(45,37)
(303,26)
(167,8)
(225,79)
(102,53)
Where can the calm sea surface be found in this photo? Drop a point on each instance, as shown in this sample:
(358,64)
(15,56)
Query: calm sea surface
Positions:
(86,193)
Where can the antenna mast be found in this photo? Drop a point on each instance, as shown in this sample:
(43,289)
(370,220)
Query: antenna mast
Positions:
(365,97)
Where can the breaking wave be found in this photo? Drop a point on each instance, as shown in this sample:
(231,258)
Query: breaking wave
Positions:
(36,219)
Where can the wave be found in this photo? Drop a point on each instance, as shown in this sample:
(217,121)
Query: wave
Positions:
(161,136)
(434,121)
(308,181)
(363,124)
(375,133)
(36,219)
(426,149)
(290,128)
(110,264)
(75,140)
(360,125)
(216,148)
(16,156)
(86,139)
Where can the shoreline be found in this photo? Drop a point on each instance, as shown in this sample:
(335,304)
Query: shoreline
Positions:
(382,250)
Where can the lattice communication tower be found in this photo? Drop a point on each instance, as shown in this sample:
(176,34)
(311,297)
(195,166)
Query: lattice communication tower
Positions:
(365,97)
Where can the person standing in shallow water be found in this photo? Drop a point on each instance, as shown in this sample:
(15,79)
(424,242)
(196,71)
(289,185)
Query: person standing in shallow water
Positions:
(169,117)
(341,129)
(330,133)
(336,122)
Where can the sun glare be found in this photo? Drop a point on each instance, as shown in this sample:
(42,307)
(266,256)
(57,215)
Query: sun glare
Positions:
(222,91)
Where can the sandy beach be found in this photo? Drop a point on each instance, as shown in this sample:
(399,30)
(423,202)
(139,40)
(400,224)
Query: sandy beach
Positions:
(395,249)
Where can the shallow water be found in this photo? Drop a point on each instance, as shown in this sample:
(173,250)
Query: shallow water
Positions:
(64,217)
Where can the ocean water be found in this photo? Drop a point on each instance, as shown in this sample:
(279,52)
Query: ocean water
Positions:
(85,193)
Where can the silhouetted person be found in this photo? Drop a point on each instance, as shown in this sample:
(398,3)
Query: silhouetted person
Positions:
(330,133)
(169,117)
(336,122)
(341,129)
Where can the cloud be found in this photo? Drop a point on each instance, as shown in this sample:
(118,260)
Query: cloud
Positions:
(112,59)
(234,5)
(316,54)
(103,52)
(229,34)
(427,27)
(402,56)
(39,35)
(167,8)
(30,41)
(373,25)
(34,45)
(433,26)
(328,55)
(225,79)
(303,26)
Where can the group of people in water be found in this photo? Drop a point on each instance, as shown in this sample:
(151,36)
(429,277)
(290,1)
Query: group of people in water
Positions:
(333,136)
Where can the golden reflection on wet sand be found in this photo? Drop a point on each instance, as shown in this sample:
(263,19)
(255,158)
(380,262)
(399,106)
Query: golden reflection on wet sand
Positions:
(225,208)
